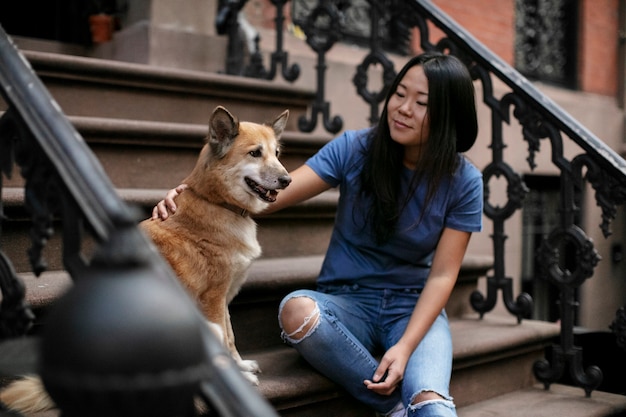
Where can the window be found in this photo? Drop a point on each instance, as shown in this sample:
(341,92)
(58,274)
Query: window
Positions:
(546,40)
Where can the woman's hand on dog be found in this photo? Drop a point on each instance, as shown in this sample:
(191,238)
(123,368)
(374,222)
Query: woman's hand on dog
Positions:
(167,206)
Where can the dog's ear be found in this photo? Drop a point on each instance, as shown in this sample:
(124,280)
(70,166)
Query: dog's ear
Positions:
(280,123)
(223,128)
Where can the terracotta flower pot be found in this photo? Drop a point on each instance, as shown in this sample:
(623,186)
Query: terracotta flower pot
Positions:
(101,27)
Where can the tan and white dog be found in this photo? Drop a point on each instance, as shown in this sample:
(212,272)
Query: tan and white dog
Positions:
(210,241)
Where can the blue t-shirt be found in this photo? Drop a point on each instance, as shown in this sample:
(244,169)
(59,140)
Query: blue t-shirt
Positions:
(354,257)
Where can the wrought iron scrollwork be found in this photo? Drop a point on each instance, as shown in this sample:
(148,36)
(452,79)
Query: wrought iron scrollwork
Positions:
(516,191)
(545,370)
(609,191)
(533,130)
(227,23)
(16,316)
(280,56)
(585,254)
(568,274)
(375,56)
(39,191)
(566,352)
(320,28)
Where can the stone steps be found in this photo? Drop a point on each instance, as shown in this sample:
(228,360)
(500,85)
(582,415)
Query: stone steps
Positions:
(139,154)
(121,90)
(492,356)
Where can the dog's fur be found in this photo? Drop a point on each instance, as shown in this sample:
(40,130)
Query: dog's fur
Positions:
(210,241)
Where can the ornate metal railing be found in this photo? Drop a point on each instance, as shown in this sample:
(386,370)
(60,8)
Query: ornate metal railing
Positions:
(117,294)
(539,117)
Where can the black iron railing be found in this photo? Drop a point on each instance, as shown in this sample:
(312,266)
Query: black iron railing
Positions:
(118,293)
(540,119)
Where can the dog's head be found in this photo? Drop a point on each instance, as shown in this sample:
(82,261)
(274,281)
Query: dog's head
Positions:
(243,160)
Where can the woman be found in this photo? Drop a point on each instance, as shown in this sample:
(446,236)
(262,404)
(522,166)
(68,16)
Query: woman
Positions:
(408,205)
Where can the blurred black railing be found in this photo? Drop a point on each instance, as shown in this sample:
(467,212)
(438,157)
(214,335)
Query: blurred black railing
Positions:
(124,292)
(539,117)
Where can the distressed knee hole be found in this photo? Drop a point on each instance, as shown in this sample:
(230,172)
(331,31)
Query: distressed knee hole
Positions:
(298,317)
(443,405)
(427,396)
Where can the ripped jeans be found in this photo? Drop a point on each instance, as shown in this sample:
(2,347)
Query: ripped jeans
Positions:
(356,323)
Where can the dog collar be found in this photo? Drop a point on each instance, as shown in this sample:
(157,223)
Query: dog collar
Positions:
(237,210)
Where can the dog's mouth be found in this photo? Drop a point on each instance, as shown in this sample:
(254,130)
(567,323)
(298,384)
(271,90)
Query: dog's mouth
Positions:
(263,193)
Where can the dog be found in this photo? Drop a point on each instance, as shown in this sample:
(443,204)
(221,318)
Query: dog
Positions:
(210,241)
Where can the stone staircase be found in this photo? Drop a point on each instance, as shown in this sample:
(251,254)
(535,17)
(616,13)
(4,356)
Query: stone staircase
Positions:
(146,126)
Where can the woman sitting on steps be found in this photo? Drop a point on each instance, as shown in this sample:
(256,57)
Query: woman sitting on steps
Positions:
(408,204)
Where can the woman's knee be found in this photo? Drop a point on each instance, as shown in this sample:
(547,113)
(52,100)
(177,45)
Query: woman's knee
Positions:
(298,316)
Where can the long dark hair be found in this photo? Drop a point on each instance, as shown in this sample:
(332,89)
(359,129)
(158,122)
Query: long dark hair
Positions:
(453,128)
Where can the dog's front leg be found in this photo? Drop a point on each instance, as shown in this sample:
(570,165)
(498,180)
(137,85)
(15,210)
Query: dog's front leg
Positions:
(248,367)
(218,317)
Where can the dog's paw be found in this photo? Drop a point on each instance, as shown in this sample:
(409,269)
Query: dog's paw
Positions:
(249,366)
(250,376)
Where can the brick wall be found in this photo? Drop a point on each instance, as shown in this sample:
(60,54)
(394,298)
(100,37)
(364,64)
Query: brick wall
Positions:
(598,45)
(492,22)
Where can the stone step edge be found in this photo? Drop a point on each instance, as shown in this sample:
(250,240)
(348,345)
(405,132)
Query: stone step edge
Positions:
(558,401)
(171,134)
(265,276)
(166,79)
(155,133)
(323,204)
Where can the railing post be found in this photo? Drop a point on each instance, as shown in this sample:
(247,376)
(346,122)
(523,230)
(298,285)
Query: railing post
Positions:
(121,333)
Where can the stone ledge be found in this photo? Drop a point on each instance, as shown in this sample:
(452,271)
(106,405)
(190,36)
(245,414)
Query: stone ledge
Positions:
(558,401)
(475,338)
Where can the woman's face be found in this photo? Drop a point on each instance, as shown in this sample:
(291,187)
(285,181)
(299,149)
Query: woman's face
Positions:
(407,114)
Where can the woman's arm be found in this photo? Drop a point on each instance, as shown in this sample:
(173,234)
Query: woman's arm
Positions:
(439,285)
(305,183)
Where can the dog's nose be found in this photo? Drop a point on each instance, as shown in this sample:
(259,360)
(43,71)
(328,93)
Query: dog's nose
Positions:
(284,181)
